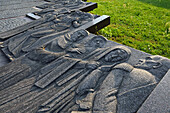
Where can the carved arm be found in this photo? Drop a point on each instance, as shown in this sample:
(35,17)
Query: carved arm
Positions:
(44,56)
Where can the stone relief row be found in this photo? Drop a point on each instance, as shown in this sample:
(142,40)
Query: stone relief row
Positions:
(70,4)
(78,72)
(50,27)
(56,66)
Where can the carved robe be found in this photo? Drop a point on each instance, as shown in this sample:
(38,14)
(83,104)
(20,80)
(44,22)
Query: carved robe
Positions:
(35,60)
(70,4)
(124,90)
(27,96)
(17,46)
(70,81)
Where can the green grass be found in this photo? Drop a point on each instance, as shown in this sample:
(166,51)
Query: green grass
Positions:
(141,24)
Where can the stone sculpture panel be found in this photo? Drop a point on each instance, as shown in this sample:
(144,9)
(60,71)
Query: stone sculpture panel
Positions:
(78,72)
(57,4)
(55,26)
(58,67)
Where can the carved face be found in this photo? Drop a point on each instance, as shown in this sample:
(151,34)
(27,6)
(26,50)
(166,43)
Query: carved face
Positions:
(67,2)
(116,55)
(98,42)
(148,63)
(78,35)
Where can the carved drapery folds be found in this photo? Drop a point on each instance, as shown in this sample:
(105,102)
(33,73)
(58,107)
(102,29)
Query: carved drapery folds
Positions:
(57,4)
(53,27)
(78,72)
(57,66)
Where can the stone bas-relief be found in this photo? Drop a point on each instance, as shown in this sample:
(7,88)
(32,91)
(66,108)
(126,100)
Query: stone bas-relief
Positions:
(57,4)
(78,73)
(56,67)
(40,57)
(123,86)
(39,77)
(56,26)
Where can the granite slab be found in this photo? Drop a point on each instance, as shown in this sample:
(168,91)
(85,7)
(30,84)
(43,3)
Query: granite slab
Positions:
(159,100)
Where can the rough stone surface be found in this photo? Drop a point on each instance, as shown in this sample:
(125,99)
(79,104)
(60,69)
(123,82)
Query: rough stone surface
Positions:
(159,100)
(12,2)
(13,12)
(3,59)
(47,31)
(8,24)
(58,66)
(20,6)
(80,72)
(16,13)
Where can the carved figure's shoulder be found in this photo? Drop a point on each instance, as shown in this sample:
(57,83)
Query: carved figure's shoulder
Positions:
(124,66)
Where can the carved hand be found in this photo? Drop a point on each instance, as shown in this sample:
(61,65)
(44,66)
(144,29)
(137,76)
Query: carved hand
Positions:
(105,68)
(92,65)
(75,50)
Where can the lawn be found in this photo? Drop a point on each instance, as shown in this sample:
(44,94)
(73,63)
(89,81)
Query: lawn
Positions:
(141,24)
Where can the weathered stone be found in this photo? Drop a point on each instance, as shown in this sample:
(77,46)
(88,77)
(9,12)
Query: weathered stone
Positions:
(159,100)
(80,72)
(11,23)
(12,2)
(58,66)
(69,4)
(16,13)
(45,30)
(22,5)
(3,59)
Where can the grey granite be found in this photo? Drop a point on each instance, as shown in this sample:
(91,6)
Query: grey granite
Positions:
(12,2)
(20,6)
(11,23)
(3,59)
(159,100)
(58,66)
(80,71)
(48,31)
(15,13)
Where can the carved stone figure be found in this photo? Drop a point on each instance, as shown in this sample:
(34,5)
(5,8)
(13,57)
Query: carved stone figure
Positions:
(103,60)
(56,4)
(36,60)
(156,65)
(30,69)
(16,46)
(57,81)
(126,87)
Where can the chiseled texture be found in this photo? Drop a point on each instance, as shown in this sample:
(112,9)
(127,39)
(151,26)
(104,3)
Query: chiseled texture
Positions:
(11,23)
(12,2)
(12,12)
(159,100)
(3,59)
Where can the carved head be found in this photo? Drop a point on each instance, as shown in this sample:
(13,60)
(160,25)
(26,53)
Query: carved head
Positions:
(151,62)
(97,42)
(82,16)
(118,54)
(157,65)
(68,2)
(78,35)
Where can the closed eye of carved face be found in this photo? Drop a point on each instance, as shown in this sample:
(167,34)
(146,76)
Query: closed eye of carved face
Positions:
(148,63)
(116,55)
